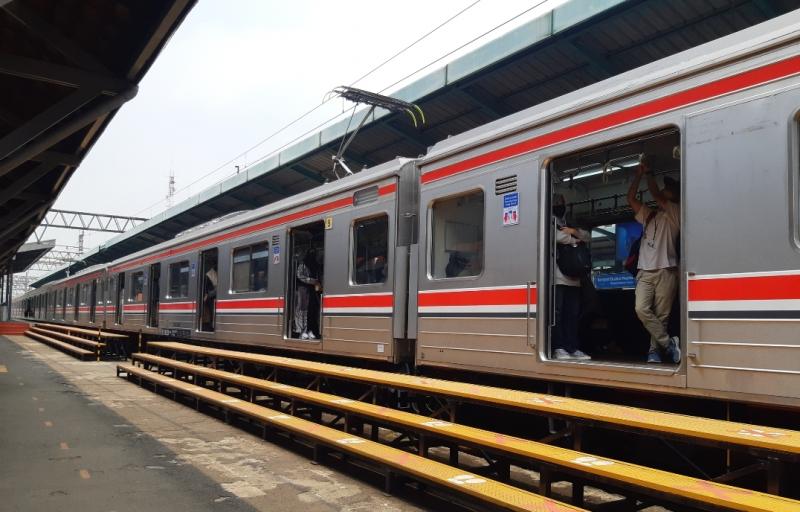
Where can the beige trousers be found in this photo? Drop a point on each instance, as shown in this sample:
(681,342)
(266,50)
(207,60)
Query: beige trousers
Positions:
(655,291)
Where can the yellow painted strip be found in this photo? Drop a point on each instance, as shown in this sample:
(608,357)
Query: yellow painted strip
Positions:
(3,368)
(48,424)
(85,474)
(63,445)
(744,434)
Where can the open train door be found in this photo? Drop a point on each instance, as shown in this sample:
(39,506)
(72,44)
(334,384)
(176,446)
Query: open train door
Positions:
(303,314)
(209,281)
(119,299)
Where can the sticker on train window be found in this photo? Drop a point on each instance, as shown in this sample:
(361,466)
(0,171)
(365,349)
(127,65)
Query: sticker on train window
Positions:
(511,209)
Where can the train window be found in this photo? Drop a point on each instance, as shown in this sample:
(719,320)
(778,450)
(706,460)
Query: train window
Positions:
(179,280)
(370,250)
(250,268)
(137,287)
(456,248)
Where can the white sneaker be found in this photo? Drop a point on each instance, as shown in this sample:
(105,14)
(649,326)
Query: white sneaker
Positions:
(304,336)
(581,356)
(560,354)
(674,349)
(311,335)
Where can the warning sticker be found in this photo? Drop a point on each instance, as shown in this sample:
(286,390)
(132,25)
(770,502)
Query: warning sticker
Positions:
(511,209)
(276,254)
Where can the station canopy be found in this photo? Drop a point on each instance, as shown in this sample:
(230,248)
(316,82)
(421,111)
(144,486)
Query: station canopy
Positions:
(65,69)
(577,44)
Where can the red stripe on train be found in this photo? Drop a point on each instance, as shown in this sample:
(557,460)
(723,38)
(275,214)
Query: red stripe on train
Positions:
(167,306)
(250,304)
(359,301)
(779,287)
(497,297)
(323,208)
(758,76)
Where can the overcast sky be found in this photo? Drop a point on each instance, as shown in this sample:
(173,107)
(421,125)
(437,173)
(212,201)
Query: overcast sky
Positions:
(235,72)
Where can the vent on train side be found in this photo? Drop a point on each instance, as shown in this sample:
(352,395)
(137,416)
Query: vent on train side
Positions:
(505,185)
(365,195)
(276,240)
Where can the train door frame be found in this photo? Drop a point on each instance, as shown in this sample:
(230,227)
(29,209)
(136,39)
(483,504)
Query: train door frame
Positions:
(119,299)
(211,325)
(93,302)
(291,282)
(153,294)
(546,303)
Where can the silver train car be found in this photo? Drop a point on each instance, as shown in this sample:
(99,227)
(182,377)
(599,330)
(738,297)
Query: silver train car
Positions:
(447,261)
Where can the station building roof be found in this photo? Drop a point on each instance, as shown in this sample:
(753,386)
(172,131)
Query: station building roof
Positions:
(65,69)
(577,44)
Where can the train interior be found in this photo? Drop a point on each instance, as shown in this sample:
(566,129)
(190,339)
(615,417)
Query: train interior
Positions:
(305,282)
(594,185)
(209,279)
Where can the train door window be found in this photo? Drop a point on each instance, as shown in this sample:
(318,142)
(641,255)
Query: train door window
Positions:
(209,276)
(249,268)
(119,299)
(93,301)
(456,236)
(64,303)
(179,280)
(593,311)
(305,281)
(154,296)
(137,287)
(370,250)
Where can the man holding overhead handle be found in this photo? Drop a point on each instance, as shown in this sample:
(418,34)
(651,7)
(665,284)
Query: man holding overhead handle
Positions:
(657,277)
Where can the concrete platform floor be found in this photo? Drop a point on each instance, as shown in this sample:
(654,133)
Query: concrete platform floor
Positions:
(74,437)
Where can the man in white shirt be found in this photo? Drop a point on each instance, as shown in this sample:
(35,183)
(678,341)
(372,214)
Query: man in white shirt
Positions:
(564,342)
(657,278)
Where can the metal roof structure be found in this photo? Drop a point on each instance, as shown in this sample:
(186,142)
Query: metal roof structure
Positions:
(65,69)
(577,44)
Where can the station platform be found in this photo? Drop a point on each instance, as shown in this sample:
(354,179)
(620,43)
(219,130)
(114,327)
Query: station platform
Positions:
(74,437)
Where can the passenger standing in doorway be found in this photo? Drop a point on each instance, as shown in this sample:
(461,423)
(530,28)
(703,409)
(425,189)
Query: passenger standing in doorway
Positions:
(657,278)
(210,295)
(307,283)
(565,342)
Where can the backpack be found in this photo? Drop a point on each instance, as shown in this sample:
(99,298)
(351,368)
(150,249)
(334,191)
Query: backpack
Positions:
(632,261)
(573,260)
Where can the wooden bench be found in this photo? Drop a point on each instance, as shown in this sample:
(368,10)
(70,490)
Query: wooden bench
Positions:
(773,442)
(661,485)
(393,461)
(69,329)
(76,351)
(95,347)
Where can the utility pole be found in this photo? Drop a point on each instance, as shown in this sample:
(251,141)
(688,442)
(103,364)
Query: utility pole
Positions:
(171,189)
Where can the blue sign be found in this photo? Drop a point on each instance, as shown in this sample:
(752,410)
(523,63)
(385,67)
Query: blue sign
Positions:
(614,281)
(511,199)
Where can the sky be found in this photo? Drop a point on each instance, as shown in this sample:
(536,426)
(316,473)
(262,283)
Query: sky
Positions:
(236,72)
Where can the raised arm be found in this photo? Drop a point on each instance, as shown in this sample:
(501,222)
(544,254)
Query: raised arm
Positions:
(636,205)
(658,195)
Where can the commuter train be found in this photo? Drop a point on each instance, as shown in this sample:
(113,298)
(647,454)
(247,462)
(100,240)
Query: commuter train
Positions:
(447,261)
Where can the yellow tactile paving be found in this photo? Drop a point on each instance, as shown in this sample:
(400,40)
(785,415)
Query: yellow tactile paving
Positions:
(768,438)
(482,488)
(89,332)
(733,498)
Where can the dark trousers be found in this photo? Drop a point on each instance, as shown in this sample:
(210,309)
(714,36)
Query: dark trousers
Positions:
(568,309)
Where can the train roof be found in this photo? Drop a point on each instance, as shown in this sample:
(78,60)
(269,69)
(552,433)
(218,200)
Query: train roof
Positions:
(745,42)
(362,178)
